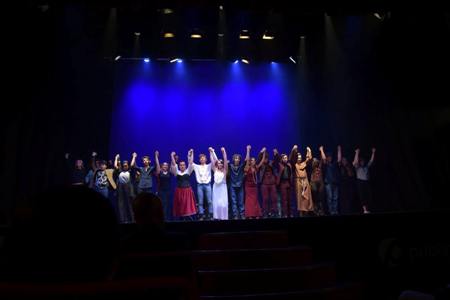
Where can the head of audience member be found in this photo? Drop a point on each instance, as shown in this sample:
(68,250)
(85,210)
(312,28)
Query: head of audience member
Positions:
(219,164)
(284,158)
(202,158)
(102,165)
(70,233)
(236,159)
(165,167)
(146,161)
(148,210)
(182,166)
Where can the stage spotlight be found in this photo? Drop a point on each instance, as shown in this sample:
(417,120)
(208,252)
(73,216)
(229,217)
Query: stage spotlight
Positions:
(236,61)
(302,37)
(293,60)
(196,34)
(169,35)
(244,35)
(179,60)
(220,7)
(167,11)
(117,57)
(245,61)
(173,60)
(378,16)
(267,36)
(146,60)
(137,34)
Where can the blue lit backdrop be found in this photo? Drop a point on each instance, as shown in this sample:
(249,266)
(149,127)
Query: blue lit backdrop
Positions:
(177,106)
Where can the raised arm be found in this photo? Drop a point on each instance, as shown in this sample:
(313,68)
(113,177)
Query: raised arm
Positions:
(356,159)
(322,154)
(308,154)
(372,158)
(247,155)
(247,158)
(339,154)
(225,160)
(133,160)
(158,167)
(173,164)
(262,154)
(293,155)
(190,161)
(93,165)
(116,161)
(213,159)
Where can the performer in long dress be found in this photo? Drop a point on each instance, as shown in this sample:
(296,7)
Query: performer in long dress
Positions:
(220,190)
(302,188)
(252,208)
(184,199)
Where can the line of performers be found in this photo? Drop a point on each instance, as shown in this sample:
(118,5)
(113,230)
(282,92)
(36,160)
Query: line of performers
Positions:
(318,186)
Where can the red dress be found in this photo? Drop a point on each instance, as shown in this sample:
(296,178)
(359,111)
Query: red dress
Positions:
(184,199)
(252,208)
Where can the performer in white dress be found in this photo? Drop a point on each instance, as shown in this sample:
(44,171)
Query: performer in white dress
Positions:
(220,190)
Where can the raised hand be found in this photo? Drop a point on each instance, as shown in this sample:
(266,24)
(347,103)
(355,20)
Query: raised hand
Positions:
(117,156)
(308,149)
(275,151)
(263,149)
(357,150)
(94,154)
(172,154)
(211,149)
(373,150)
(321,148)
(156,153)
(295,147)
(222,149)
(66,155)
(134,155)
(249,147)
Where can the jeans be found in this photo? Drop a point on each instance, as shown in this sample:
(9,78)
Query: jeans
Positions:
(103,191)
(204,191)
(332,191)
(237,201)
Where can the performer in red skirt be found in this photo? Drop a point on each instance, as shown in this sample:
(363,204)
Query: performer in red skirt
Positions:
(252,208)
(184,199)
